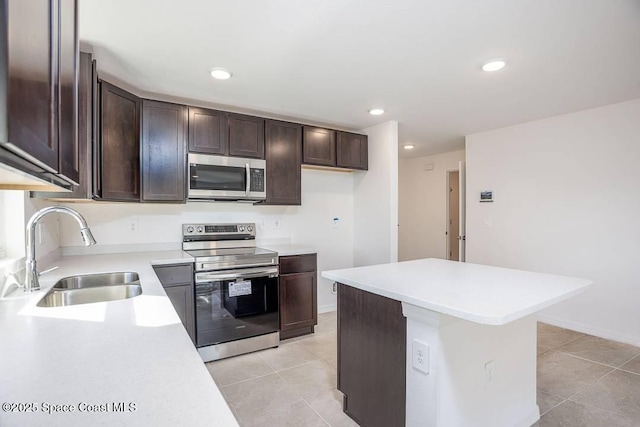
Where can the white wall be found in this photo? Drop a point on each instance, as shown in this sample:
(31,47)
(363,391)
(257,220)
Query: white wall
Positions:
(375,195)
(16,208)
(567,201)
(423,205)
(325,195)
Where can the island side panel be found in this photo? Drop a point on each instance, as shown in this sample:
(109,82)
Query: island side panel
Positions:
(459,390)
(371,357)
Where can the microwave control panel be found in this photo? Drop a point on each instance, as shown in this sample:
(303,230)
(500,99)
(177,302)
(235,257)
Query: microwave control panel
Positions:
(257,180)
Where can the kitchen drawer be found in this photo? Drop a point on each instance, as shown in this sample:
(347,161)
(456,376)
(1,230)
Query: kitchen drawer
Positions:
(175,274)
(298,263)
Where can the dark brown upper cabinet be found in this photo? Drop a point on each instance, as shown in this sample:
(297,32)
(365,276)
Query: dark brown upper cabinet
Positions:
(246,136)
(118,165)
(283,149)
(86,83)
(164,154)
(208,131)
(352,151)
(69,153)
(38,65)
(318,146)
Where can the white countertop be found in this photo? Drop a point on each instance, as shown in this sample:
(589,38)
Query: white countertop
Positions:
(134,350)
(478,293)
(290,249)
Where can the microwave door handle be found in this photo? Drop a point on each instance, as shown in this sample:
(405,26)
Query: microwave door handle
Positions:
(248,172)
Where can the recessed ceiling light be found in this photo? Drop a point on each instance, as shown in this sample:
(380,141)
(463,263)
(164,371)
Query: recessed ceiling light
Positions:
(376,111)
(494,64)
(220,74)
(409,147)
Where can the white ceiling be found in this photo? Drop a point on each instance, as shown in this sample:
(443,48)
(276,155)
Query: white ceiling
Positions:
(329,61)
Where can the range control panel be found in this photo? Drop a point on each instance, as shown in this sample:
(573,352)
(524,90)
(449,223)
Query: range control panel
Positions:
(214,230)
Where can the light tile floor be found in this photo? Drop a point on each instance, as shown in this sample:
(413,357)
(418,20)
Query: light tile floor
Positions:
(582,381)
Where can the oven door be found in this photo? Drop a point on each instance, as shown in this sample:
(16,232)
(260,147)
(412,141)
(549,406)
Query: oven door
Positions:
(235,304)
(219,177)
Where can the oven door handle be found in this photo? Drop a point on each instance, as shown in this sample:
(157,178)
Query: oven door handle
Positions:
(248,172)
(245,273)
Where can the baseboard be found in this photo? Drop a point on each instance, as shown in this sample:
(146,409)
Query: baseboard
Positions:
(530,419)
(602,333)
(327,308)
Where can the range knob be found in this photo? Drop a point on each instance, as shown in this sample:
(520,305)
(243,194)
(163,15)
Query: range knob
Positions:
(189,229)
(249,228)
(199,229)
(241,228)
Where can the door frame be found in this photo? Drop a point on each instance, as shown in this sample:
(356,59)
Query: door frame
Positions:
(447,233)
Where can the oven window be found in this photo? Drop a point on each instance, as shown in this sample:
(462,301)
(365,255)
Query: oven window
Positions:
(225,178)
(224,315)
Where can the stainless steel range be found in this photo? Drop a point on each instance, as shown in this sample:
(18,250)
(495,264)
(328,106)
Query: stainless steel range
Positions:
(236,289)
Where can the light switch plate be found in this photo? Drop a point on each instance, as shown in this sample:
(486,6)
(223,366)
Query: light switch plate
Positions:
(420,352)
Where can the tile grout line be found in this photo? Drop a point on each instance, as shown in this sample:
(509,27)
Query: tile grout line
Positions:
(316,412)
(627,371)
(552,408)
(600,409)
(589,360)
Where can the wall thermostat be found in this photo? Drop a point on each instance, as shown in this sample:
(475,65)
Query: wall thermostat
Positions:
(486,196)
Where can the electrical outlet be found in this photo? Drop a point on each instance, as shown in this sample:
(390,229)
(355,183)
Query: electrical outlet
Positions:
(489,373)
(133,226)
(277,223)
(420,352)
(262,224)
(487,222)
(336,222)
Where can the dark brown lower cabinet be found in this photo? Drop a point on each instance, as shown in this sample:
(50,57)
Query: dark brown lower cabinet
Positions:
(298,295)
(371,357)
(177,280)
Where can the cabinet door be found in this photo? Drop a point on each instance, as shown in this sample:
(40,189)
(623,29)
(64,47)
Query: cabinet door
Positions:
(208,131)
(283,149)
(182,299)
(85,135)
(68,92)
(298,306)
(318,146)
(32,78)
(119,144)
(164,157)
(246,136)
(373,386)
(352,151)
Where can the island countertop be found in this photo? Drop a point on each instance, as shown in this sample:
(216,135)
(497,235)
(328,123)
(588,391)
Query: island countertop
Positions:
(478,293)
(126,362)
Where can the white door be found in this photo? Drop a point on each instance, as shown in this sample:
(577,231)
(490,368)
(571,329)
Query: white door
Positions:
(461,206)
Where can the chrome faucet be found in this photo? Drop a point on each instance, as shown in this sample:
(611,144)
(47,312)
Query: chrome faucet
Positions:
(31,275)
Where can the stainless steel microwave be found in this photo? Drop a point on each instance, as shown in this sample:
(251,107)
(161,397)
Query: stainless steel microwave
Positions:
(226,178)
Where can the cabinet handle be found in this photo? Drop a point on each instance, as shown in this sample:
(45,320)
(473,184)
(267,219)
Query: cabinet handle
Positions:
(334,288)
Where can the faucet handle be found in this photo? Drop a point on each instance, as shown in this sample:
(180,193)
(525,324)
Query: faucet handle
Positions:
(48,270)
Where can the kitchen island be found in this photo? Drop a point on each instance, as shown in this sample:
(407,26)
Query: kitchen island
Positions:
(440,343)
(125,362)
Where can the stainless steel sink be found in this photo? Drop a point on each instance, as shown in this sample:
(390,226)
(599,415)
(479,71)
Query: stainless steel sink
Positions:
(100,279)
(90,288)
(61,298)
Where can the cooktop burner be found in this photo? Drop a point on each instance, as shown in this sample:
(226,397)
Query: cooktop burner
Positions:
(225,246)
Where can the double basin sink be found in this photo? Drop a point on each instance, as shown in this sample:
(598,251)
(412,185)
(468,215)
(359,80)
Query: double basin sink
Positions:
(91,288)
